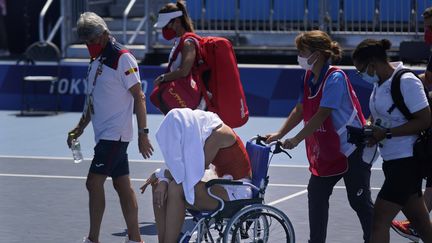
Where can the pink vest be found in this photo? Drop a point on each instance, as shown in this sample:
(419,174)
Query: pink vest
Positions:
(323,146)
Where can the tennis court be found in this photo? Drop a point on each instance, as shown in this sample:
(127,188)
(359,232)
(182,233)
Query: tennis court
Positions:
(44,197)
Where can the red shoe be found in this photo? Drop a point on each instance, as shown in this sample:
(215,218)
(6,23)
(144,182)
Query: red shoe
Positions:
(404,229)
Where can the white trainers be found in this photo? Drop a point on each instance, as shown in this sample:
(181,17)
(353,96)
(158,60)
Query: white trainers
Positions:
(86,240)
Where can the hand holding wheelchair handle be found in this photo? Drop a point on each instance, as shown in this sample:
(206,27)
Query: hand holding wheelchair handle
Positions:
(273,139)
(269,138)
(289,143)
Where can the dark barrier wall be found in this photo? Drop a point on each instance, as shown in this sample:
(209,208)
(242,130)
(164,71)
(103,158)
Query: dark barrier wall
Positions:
(270,91)
(22,23)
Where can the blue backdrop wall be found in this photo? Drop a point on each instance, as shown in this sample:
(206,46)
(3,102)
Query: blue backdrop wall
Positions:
(270,91)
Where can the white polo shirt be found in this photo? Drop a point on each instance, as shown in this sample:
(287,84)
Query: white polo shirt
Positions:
(113,102)
(381,100)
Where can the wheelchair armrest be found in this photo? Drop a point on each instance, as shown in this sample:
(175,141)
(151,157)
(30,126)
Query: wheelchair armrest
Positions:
(222,182)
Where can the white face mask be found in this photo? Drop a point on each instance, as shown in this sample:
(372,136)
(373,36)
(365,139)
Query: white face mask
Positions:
(370,79)
(303,62)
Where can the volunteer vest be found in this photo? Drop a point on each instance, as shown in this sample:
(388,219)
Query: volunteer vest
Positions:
(323,146)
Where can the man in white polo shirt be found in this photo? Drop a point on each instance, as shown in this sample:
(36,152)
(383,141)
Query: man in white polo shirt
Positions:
(113,92)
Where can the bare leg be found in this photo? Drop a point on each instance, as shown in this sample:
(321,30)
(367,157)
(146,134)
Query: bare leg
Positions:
(203,201)
(175,212)
(129,206)
(418,215)
(160,215)
(384,212)
(95,187)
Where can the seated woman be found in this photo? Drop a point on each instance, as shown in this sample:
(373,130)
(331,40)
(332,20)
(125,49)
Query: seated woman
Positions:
(191,140)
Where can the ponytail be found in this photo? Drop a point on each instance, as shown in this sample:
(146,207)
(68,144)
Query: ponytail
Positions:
(371,49)
(185,20)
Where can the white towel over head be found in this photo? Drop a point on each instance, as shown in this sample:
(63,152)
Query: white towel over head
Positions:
(181,137)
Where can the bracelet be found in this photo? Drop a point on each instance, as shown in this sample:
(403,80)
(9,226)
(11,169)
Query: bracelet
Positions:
(159,173)
(143,130)
(164,179)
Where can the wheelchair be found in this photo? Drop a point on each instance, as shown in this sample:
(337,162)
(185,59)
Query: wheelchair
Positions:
(245,220)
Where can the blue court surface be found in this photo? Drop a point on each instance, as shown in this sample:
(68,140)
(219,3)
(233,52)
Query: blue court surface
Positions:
(43,195)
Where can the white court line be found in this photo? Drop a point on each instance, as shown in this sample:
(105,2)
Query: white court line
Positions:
(135,161)
(299,193)
(305,186)
(68,158)
(136,179)
(56,177)
(287,197)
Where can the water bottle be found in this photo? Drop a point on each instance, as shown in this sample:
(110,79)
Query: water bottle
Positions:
(76,151)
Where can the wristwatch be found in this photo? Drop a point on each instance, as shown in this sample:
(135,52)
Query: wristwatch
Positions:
(143,130)
(388,133)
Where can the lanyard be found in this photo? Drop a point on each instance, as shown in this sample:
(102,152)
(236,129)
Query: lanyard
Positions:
(98,72)
(89,97)
(385,121)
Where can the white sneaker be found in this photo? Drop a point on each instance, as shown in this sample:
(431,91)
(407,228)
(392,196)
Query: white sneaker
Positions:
(86,240)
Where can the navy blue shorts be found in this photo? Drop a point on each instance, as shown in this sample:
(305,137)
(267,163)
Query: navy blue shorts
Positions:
(110,158)
(402,180)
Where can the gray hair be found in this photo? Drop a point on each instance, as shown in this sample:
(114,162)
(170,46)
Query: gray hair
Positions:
(90,25)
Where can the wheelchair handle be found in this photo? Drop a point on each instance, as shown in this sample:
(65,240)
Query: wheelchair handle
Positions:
(278,149)
(276,144)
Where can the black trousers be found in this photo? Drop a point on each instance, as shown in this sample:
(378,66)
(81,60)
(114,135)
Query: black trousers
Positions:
(357,183)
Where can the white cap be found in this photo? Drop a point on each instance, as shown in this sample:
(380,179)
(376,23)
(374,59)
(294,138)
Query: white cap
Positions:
(164,18)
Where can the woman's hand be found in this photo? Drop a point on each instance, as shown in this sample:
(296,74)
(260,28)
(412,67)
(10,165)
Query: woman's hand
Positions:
(290,143)
(160,194)
(272,137)
(159,79)
(378,134)
(151,180)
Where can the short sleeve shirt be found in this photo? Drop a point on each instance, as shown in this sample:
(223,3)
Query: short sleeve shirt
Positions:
(113,102)
(380,102)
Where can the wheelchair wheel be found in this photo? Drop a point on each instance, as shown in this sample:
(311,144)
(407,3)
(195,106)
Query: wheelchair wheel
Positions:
(204,231)
(261,224)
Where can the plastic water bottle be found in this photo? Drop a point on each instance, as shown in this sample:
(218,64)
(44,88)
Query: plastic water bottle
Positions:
(76,151)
